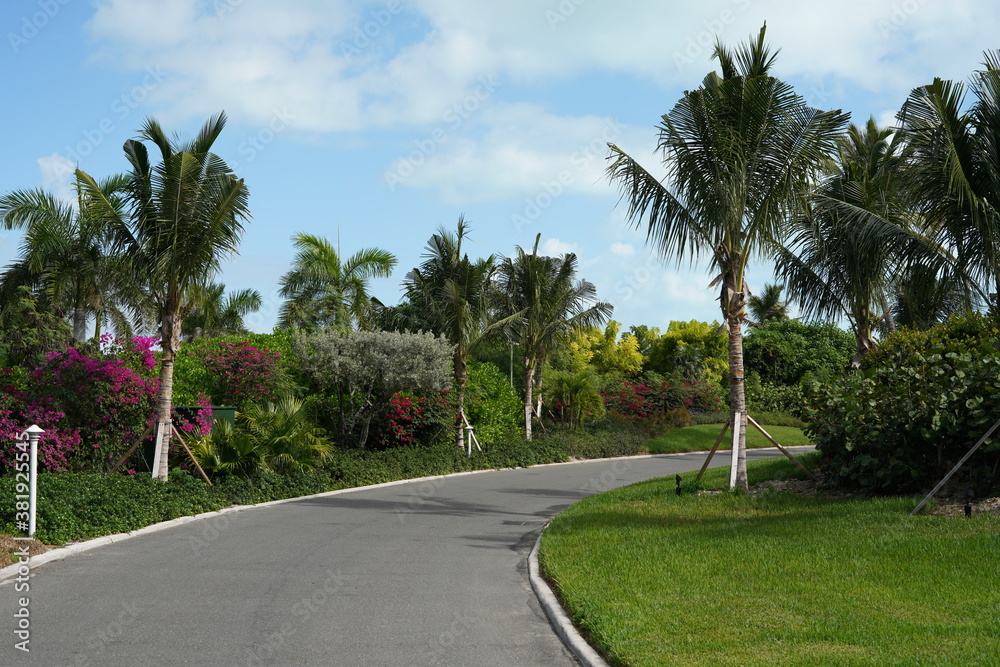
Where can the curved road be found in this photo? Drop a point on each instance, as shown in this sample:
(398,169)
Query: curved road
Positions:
(422,573)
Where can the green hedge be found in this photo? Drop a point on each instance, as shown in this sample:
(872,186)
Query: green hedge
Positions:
(914,409)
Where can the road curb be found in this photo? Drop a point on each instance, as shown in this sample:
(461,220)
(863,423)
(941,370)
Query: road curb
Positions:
(558,618)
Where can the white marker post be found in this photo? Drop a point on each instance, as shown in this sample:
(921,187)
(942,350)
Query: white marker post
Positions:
(32,432)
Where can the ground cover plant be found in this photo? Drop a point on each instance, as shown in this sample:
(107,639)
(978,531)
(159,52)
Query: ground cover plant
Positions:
(653,579)
(701,438)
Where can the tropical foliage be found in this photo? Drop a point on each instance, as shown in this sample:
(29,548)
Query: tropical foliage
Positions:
(546,301)
(322,290)
(182,216)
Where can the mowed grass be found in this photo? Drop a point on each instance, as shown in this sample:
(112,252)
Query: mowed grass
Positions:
(656,579)
(701,438)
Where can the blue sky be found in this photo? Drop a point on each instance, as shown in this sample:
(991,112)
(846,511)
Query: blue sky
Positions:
(381,121)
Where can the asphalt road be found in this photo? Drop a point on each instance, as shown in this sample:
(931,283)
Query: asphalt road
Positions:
(423,573)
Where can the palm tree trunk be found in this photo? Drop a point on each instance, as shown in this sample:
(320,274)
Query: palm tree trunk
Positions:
(732,303)
(170,328)
(863,335)
(80,323)
(461,379)
(529,376)
(538,390)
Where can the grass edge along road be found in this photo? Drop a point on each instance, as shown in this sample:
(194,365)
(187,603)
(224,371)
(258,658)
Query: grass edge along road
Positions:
(700,438)
(651,578)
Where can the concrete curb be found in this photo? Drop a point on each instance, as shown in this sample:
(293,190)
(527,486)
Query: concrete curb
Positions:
(558,618)
(11,571)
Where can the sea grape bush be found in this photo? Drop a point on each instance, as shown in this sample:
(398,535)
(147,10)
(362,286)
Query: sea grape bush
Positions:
(914,410)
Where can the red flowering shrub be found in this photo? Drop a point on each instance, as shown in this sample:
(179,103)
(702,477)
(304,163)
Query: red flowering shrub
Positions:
(412,420)
(240,373)
(636,400)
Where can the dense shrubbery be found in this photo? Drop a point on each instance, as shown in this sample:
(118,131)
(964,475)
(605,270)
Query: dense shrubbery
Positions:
(491,403)
(234,370)
(783,352)
(92,402)
(914,409)
(76,506)
(359,372)
(640,400)
(773,398)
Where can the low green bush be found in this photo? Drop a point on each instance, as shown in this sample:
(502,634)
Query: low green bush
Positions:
(78,506)
(913,410)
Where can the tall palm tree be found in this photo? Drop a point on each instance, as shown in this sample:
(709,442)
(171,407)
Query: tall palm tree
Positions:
(846,252)
(322,290)
(739,151)
(216,313)
(65,252)
(767,306)
(545,301)
(454,296)
(955,174)
(186,213)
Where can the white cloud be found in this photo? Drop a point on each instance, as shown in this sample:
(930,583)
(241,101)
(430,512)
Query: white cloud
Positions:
(57,176)
(344,65)
(518,150)
(622,249)
(554,247)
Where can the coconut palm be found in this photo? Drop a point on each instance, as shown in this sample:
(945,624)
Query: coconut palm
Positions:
(955,174)
(767,306)
(215,313)
(545,301)
(186,213)
(65,253)
(453,296)
(739,151)
(322,290)
(845,253)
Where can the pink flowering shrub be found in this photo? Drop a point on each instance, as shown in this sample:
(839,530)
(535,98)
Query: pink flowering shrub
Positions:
(55,446)
(101,397)
(240,373)
(197,424)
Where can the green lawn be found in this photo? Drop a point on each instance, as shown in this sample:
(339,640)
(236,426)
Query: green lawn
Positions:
(656,579)
(701,438)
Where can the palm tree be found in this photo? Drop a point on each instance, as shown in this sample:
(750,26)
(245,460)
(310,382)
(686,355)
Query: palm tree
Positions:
(955,172)
(324,291)
(846,253)
(215,313)
(186,214)
(454,297)
(767,306)
(739,152)
(545,301)
(65,253)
